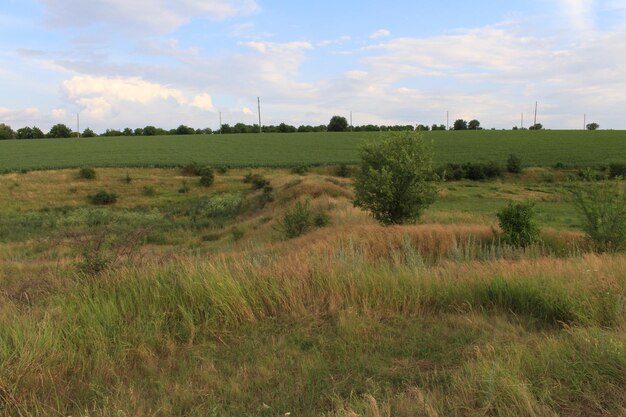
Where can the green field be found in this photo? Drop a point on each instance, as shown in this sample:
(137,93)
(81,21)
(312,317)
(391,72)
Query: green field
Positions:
(541,148)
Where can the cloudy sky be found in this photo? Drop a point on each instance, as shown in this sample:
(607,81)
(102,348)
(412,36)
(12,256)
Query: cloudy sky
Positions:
(163,62)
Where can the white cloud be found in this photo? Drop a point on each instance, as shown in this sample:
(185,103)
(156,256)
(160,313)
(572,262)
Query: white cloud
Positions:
(580,13)
(247,111)
(160,16)
(204,102)
(380,33)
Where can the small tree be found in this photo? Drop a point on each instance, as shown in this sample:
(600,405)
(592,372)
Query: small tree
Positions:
(394,182)
(6,132)
(460,124)
(88,133)
(338,124)
(518,224)
(537,126)
(602,208)
(60,131)
(474,125)
(593,126)
(514,164)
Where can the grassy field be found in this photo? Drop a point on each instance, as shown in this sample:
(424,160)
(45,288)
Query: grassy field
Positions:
(195,304)
(540,148)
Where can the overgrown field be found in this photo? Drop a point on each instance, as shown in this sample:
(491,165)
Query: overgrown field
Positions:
(184,300)
(536,148)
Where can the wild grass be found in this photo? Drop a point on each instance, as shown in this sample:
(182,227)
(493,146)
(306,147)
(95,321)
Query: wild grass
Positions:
(227,318)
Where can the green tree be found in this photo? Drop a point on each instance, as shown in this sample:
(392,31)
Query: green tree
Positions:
(60,131)
(518,225)
(24,133)
(514,164)
(474,125)
(88,133)
(593,126)
(149,131)
(537,126)
(460,124)
(338,124)
(395,180)
(6,132)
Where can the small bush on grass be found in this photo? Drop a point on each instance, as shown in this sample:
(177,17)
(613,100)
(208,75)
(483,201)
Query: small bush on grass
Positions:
(300,170)
(296,221)
(237,233)
(87,173)
(103,198)
(321,219)
(127,179)
(342,171)
(514,164)
(602,208)
(207,178)
(191,170)
(617,170)
(259,182)
(148,191)
(184,188)
(518,224)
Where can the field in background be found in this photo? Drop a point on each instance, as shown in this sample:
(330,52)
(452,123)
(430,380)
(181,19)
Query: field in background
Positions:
(210,311)
(536,148)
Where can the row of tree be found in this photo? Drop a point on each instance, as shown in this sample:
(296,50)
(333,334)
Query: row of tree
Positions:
(336,124)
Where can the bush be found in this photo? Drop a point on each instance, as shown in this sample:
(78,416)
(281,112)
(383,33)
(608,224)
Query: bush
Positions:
(602,208)
(617,170)
(514,164)
(148,191)
(184,188)
(321,219)
(87,173)
(296,221)
(259,182)
(191,170)
(222,170)
(267,196)
(237,233)
(342,171)
(394,180)
(103,198)
(206,177)
(482,171)
(518,224)
(300,170)
(128,179)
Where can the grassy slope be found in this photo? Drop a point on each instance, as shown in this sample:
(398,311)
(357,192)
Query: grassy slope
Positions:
(542,148)
(352,319)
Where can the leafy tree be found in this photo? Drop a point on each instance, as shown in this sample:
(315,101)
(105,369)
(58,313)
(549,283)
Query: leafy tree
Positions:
(394,182)
(24,133)
(474,125)
(88,133)
(60,131)
(422,128)
(593,126)
(184,130)
(537,126)
(514,164)
(37,133)
(438,127)
(6,132)
(460,124)
(338,124)
(518,224)
(138,132)
(128,132)
(149,131)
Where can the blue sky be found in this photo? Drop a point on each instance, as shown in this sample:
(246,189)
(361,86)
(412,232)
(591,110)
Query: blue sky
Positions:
(128,63)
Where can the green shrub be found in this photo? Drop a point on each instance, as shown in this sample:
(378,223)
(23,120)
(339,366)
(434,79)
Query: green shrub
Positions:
(267,196)
(321,219)
(128,179)
(259,182)
(514,164)
(87,173)
(342,171)
(191,170)
(482,171)
(394,182)
(103,198)
(300,170)
(602,208)
(617,170)
(184,188)
(296,221)
(237,233)
(206,177)
(148,191)
(222,169)
(518,224)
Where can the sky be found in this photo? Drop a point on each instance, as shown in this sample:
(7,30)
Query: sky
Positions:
(132,63)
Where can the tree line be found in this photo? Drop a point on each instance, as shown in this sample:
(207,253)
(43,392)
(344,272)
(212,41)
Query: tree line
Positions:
(336,124)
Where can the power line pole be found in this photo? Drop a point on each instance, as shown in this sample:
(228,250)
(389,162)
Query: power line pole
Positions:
(220,123)
(259,103)
(522,120)
(536,106)
(585,122)
(447,120)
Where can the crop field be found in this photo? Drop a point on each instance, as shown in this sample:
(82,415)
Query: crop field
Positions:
(185,300)
(536,148)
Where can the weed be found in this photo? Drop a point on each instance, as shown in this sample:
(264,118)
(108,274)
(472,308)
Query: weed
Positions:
(296,221)
(87,173)
(103,198)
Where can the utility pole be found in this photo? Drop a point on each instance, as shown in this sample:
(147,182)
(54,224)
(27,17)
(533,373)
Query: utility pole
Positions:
(259,103)
(447,120)
(585,122)
(220,123)
(522,120)
(536,106)
(78,125)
